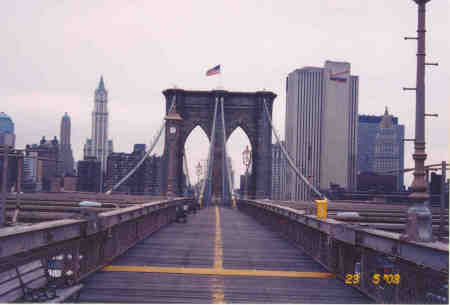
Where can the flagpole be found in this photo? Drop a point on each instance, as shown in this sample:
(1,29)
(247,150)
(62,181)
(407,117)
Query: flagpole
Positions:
(220,77)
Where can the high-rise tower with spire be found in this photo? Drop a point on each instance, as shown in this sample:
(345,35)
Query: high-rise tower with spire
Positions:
(65,147)
(98,145)
(381,148)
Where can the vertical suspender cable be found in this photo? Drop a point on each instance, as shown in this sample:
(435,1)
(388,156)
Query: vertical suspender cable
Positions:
(207,180)
(291,163)
(226,155)
(186,169)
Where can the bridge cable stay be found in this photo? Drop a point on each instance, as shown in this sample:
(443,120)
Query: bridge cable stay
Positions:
(186,170)
(205,194)
(227,192)
(288,158)
(149,151)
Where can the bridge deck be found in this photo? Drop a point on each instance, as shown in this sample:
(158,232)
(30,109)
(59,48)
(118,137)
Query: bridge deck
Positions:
(212,259)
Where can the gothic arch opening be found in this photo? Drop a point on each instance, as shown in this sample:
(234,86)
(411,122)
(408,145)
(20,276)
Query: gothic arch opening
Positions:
(243,109)
(238,142)
(196,147)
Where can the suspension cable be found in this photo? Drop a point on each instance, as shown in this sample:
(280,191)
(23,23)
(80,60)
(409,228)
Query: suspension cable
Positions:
(152,146)
(186,169)
(210,156)
(226,156)
(288,158)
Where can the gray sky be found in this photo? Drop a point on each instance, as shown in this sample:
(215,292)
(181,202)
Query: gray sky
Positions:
(53,53)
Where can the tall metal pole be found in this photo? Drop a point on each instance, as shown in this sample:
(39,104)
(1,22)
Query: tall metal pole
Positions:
(419,216)
(101,175)
(4,186)
(441,218)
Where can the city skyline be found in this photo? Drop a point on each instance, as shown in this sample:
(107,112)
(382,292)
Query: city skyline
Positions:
(138,51)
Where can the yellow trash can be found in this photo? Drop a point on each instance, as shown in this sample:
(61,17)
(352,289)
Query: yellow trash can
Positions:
(321,208)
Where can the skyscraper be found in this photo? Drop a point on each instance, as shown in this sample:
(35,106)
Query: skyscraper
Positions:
(43,165)
(278,172)
(380,146)
(98,145)
(7,136)
(145,180)
(321,125)
(65,147)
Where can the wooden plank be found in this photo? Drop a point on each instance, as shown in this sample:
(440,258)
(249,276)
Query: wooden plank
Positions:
(8,275)
(64,294)
(254,257)
(11,296)
(30,266)
(8,231)
(37,283)
(9,286)
(32,276)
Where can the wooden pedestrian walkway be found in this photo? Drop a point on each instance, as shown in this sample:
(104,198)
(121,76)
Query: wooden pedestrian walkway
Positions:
(219,256)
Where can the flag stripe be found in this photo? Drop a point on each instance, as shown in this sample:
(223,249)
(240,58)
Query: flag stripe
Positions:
(215,70)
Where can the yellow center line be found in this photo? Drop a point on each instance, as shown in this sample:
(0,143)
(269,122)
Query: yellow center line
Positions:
(218,248)
(218,285)
(219,271)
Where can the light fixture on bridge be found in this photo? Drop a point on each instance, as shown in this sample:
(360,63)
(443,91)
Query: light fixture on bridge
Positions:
(246,159)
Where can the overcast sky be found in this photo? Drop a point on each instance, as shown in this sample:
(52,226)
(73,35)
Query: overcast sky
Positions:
(53,53)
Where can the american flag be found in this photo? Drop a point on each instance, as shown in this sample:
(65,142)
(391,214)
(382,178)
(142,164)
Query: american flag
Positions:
(215,70)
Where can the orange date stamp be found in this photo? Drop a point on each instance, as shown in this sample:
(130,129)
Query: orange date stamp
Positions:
(376,278)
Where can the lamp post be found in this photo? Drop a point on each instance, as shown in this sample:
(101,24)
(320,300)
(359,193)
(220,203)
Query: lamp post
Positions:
(246,155)
(419,226)
(199,171)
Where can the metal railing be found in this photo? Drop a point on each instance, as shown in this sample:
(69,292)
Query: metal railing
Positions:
(380,264)
(72,249)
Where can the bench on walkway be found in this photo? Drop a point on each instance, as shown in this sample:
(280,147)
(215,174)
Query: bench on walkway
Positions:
(31,283)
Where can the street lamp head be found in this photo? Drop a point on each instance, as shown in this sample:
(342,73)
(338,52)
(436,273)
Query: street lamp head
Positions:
(246,156)
(199,169)
(421,1)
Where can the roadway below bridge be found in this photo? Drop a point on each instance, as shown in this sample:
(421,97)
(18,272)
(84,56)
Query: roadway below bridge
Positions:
(219,256)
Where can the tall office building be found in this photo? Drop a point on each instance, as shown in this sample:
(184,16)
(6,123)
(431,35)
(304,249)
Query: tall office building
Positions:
(7,136)
(43,166)
(98,145)
(380,147)
(88,175)
(321,126)
(278,172)
(145,180)
(65,147)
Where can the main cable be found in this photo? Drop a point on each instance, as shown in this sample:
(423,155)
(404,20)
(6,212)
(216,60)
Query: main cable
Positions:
(152,146)
(210,155)
(226,155)
(288,158)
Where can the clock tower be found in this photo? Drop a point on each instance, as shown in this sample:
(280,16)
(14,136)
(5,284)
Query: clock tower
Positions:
(173,126)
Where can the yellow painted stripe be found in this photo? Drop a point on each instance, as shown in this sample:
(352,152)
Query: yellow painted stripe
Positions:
(216,271)
(218,248)
(218,295)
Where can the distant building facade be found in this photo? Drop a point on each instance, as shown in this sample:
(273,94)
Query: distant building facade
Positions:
(89,172)
(65,147)
(147,178)
(43,166)
(321,126)
(8,139)
(98,145)
(14,167)
(278,172)
(7,136)
(32,172)
(380,147)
